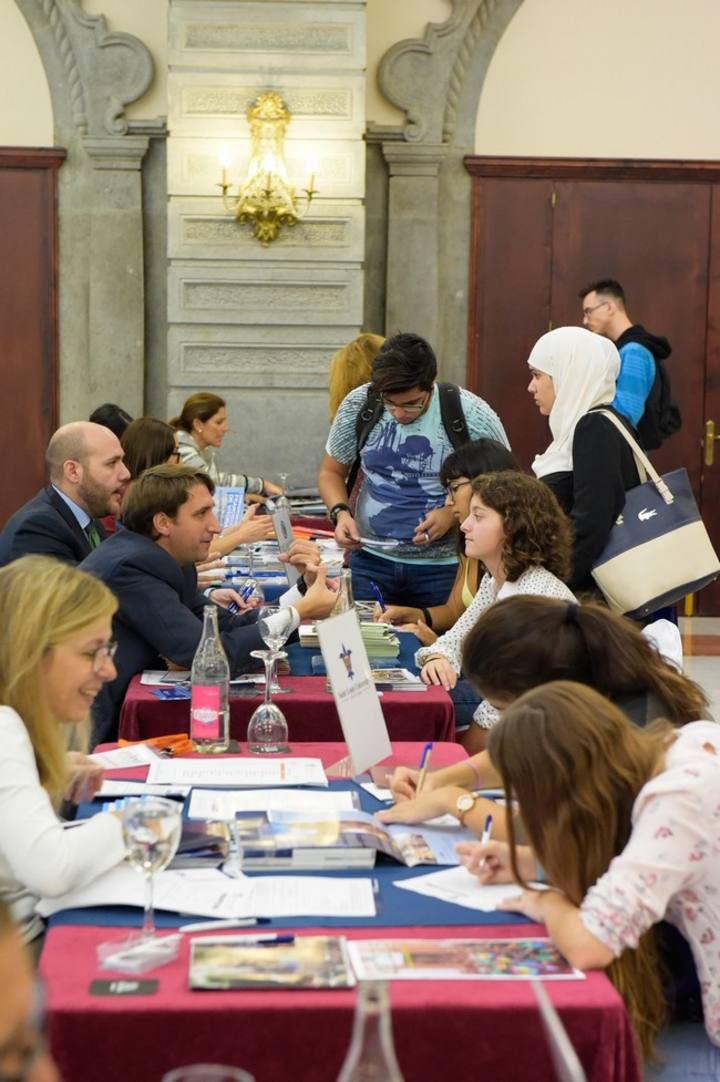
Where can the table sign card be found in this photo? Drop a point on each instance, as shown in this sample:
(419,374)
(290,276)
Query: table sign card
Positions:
(353,689)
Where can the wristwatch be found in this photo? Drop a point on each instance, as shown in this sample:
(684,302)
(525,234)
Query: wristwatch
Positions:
(335,511)
(464,804)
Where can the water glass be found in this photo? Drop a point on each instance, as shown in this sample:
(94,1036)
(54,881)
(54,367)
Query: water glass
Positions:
(274,642)
(267,731)
(207,1072)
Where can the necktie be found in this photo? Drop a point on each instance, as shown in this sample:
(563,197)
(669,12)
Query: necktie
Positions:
(93,534)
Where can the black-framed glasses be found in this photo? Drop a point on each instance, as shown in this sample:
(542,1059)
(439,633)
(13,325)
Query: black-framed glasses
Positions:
(104,653)
(589,311)
(453,487)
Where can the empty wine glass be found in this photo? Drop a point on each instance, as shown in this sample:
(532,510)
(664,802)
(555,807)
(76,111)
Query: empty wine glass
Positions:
(282,500)
(267,731)
(249,588)
(274,634)
(151,828)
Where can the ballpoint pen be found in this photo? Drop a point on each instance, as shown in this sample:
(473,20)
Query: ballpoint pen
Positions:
(378,596)
(424,760)
(487,831)
(217,925)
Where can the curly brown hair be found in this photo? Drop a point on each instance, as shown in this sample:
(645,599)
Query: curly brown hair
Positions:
(537,530)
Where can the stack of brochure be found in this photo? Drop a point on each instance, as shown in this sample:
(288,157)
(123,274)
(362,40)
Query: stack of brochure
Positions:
(390,679)
(379,640)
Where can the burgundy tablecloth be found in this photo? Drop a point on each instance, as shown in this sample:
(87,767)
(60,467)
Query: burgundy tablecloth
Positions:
(444,1030)
(310,711)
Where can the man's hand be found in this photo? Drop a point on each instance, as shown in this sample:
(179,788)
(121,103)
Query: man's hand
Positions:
(305,556)
(320,598)
(440,672)
(225,596)
(347,534)
(435,525)
(271,489)
(84,777)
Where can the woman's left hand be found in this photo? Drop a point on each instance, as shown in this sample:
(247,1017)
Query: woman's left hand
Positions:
(421,631)
(427,805)
(529,902)
(84,777)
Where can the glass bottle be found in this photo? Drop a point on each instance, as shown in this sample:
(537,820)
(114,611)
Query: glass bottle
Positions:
(209,689)
(371,1055)
(345,600)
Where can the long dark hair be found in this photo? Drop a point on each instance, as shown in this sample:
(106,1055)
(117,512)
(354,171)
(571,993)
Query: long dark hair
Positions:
(559,640)
(147,442)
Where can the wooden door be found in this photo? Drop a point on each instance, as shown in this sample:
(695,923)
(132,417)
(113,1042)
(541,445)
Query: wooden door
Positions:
(653,226)
(28,317)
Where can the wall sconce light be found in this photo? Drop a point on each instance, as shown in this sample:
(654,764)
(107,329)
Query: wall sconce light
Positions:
(266,200)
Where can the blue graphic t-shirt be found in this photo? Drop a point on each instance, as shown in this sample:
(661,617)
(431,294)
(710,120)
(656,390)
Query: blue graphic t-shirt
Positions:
(401,466)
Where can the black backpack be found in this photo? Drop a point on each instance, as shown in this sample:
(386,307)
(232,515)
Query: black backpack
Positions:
(661,417)
(451,411)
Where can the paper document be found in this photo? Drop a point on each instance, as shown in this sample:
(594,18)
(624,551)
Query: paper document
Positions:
(163,677)
(139,788)
(224,803)
(459,887)
(122,758)
(237,772)
(379,543)
(209,893)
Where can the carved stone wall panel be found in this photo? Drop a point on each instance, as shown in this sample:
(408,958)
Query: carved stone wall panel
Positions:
(250,356)
(214,104)
(217,293)
(203,229)
(194,165)
(243,36)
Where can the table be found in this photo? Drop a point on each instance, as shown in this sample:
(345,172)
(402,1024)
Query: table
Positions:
(458,1030)
(310,710)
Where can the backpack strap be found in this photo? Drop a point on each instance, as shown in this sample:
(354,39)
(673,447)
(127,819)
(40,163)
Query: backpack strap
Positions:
(453,417)
(365,421)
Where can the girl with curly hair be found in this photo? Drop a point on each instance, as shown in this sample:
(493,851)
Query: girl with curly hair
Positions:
(520,535)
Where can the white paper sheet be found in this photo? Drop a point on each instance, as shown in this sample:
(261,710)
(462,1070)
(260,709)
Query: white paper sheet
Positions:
(164,678)
(458,886)
(237,772)
(120,758)
(223,803)
(113,789)
(209,893)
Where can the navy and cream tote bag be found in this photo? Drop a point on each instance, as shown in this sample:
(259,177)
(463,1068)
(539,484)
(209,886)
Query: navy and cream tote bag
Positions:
(658,550)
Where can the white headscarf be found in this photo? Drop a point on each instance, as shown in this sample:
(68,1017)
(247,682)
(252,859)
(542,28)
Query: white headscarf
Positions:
(583,367)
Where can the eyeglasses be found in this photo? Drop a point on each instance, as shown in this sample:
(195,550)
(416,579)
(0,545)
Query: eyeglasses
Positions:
(452,488)
(416,406)
(104,653)
(589,311)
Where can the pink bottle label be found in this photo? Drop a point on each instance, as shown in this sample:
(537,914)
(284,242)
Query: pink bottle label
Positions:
(205,713)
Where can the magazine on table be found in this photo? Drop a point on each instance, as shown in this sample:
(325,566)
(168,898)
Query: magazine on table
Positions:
(218,962)
(345,839)
(459,960)
(392,679)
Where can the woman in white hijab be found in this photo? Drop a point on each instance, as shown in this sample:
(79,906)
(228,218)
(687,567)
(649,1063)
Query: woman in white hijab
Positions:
(588,464)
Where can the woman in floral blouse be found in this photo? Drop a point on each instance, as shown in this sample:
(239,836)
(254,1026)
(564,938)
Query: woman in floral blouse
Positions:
(625,823)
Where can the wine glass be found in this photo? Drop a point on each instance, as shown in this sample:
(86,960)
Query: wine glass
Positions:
(274,638)
(282,500)
(267,730)
(249,588)
(151,828)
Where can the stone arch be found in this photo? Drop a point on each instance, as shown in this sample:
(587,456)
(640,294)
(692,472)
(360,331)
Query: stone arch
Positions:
(92,75)
(437,81)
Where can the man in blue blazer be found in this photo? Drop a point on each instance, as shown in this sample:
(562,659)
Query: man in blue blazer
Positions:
(87,481)
(169,522)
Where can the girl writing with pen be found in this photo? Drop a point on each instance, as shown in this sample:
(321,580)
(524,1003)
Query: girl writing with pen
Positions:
(522,642)
(625,823)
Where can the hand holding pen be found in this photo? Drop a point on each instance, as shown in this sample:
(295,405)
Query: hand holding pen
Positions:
(424,762)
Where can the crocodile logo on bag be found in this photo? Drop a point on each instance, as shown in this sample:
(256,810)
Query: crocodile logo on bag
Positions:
(645,514)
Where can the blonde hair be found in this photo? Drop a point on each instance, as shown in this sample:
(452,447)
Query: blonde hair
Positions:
(43,602)
(575,764)
(351,366)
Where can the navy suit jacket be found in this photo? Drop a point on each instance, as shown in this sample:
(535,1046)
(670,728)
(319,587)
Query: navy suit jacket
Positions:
(45,526)
(159,617)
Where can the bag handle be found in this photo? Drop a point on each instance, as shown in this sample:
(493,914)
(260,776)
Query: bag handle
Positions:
(643,463)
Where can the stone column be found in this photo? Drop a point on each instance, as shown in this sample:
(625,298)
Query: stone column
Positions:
(413,237)
(116,324)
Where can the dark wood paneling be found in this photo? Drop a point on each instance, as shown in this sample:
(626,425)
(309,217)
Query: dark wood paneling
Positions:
(28,316)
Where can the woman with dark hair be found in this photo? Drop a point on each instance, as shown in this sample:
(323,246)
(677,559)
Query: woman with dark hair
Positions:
(456,475)
(518,532)
(625,823)
(523,642)
(111,416)
(148,442)
(201,427)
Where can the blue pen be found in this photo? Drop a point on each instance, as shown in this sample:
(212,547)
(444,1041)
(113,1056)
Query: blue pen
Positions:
(247,591)
(378,596)
(487,831)
(233,608)
(424,760)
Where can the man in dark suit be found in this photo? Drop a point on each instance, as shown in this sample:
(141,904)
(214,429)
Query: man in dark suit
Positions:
(149,565)
(87,481)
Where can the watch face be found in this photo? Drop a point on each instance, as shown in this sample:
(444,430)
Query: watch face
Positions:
(465,803)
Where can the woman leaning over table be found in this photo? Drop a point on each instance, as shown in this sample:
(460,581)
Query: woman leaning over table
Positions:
(588,464)
(55,654)
(625,823)
(523,642)
(518,532)
(456,475)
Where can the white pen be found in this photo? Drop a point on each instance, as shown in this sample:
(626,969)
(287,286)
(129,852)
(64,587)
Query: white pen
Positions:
(487,831)
(211,925)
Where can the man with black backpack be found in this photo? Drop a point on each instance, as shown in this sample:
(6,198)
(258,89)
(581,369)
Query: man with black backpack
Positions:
(380,479)
(643,385)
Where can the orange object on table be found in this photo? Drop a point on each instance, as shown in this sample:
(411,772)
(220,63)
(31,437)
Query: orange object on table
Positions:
(174,744)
